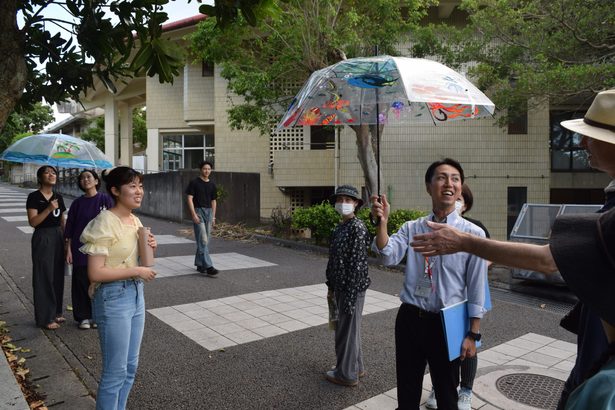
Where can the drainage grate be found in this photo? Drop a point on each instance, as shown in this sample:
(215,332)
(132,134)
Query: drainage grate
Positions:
(531,301)
(534,390)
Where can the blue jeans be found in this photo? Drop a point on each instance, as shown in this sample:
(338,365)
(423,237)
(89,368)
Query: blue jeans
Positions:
(202,233)
(119,311)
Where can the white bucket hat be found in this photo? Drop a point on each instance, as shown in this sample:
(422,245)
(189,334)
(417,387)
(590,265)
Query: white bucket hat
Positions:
(599,120)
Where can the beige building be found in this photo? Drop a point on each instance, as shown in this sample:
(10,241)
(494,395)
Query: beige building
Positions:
(187,122)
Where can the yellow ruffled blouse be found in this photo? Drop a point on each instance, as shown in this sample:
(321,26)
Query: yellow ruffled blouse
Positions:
(107,235)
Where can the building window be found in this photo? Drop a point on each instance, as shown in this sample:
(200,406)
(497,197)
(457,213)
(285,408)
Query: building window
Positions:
(517,196)
(207,69)
(322,137)
(186,151)
(518,124)
(566,153)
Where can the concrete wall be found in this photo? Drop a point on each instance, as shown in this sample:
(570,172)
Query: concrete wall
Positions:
(165,103)
(198,94)
(164,195)
(492,160)
(165,198)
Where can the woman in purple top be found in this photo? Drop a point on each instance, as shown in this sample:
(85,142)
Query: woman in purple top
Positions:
(82,211)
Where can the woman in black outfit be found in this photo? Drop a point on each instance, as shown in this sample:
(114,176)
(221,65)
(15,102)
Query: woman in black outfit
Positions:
(45,209)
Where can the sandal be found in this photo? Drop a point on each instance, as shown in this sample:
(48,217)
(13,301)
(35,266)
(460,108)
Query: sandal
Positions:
(60,319)
(52,326)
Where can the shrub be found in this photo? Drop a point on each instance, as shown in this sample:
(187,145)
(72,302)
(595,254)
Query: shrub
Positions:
(282,219)
(321,219)
(396,219)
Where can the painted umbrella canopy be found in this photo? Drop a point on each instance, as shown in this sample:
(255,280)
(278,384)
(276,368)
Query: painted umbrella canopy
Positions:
(385,89)
(58,150)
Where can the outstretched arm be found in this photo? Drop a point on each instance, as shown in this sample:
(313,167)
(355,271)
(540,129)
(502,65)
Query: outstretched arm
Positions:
(444,240)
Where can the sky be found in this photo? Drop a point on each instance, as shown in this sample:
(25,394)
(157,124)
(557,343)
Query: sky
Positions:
(177,10)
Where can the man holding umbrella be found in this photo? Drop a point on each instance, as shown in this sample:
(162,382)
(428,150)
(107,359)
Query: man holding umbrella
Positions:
(431,284)
(598,130)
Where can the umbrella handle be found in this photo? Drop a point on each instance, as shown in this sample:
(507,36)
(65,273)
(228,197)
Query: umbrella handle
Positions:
(375,220)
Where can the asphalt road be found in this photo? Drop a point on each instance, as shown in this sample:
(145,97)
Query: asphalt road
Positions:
(280,372)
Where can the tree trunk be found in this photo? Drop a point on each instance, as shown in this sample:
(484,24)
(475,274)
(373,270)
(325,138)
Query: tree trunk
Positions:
(13,69)
(367,157)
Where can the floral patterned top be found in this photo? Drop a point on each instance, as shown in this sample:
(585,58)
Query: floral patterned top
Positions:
(347,267)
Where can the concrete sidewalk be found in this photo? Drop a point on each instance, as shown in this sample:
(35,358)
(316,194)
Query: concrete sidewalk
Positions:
(48,359)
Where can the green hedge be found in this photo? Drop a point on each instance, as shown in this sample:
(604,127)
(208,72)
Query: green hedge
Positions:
(322,219)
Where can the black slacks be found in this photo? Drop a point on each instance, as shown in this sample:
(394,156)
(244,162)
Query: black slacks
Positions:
(419,339)
(82,305)
(47,274)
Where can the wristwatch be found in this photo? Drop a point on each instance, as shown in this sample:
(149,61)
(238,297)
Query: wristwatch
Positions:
(474,336)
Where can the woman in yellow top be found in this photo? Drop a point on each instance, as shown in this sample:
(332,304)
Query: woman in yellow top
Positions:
(110,241)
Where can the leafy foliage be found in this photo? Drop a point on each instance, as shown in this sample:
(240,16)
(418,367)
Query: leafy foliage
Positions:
(301,38)
(96,130)
(397,218)
(57,58)
(228,11)
(24,123)
(560,50)
(321,219)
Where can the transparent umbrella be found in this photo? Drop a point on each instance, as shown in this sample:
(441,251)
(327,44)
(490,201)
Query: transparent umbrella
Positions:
(385,90)
(56,149)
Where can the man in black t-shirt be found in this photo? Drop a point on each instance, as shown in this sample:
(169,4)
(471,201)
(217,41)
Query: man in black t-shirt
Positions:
(201,198)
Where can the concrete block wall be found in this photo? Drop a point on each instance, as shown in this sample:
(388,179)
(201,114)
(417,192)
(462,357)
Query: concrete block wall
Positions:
(243,151)
(198,94)
(492,162)
(165,103)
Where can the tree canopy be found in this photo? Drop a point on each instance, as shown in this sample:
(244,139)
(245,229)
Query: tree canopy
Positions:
(267,64)
(526,51)
(53,58)
(96,130)
(24,123)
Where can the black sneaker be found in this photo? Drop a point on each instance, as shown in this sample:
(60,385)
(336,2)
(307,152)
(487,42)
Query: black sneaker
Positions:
(212,271)
(201,269)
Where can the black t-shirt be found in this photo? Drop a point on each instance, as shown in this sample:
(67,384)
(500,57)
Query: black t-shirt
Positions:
(36,200)
(202,192)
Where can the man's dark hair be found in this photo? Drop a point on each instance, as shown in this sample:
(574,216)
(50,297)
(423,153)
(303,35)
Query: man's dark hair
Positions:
(446,161)
(203,163)
(468,198)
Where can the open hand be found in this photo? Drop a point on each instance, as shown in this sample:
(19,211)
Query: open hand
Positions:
(442,240)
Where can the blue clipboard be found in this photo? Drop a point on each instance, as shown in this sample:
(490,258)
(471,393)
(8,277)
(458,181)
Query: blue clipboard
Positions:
(456,323)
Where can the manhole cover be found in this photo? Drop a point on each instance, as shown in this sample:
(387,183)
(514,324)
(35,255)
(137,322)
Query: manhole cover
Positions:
(534,390)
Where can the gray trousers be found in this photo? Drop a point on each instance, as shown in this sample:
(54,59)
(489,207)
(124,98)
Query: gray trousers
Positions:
(47,274)
(348,340)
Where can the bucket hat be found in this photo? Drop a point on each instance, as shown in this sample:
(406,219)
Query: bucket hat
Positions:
(347,190)
(583,247)
(599,120)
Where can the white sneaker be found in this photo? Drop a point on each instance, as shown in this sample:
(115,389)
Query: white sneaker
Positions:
(431,402)
(85,324)
(465,400)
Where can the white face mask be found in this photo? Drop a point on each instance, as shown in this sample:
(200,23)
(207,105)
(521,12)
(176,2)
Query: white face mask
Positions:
(458,207)
(344,209)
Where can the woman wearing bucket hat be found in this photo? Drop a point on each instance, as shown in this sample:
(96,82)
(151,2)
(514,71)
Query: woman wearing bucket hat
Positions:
(347,281)
(579,264)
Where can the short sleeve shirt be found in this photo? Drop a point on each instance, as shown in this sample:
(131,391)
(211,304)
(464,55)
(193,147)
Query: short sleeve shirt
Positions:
(106,235)
(202,192)
(82,211)
(36,200)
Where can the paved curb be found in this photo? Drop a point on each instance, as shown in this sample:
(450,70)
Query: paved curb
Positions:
(11,396)
(53,367)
